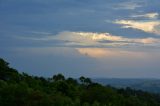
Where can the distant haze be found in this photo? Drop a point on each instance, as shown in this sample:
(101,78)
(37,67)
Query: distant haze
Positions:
(151,85)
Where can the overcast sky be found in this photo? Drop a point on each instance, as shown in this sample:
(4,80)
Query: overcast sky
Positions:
(94,38)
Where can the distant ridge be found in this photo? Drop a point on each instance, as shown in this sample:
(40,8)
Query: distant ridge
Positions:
(146,84)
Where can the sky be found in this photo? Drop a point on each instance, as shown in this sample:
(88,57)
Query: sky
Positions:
(93,38)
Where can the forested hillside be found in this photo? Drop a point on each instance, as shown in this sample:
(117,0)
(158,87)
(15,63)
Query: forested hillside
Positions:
(21,89)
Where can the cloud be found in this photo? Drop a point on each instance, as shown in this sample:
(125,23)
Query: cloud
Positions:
(109,53)
(91,39)
(93,52)
(128,5)
(146,26)
(148,40)
(40,33)
(148,15)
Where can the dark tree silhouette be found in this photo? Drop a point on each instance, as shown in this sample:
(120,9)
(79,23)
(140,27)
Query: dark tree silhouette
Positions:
(58,77)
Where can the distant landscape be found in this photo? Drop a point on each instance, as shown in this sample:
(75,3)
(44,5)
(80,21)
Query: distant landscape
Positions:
(150,85)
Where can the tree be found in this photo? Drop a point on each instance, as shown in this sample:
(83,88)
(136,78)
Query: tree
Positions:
(62,87)
(58,77)
(85,81)
(7,73)
(82,78)
(72,81)
(3,69)
(3,65)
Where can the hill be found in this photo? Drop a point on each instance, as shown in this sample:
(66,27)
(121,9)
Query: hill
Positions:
(21,89)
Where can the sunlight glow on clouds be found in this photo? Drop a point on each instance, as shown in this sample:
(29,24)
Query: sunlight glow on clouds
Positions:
(146,26)
(110,53)
(94,52)
(109,37)
(99,36)
(98,39)
(100,45)
(91,39)
(149,40)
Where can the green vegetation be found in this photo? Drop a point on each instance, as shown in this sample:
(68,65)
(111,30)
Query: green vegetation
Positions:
(24,90)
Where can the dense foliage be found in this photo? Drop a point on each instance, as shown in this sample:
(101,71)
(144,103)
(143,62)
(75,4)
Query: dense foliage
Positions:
(24,90)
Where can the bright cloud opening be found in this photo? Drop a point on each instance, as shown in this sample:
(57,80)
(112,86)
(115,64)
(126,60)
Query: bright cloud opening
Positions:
(110,53)
(146,26)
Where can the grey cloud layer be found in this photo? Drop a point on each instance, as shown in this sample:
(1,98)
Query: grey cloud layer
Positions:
(91,39)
